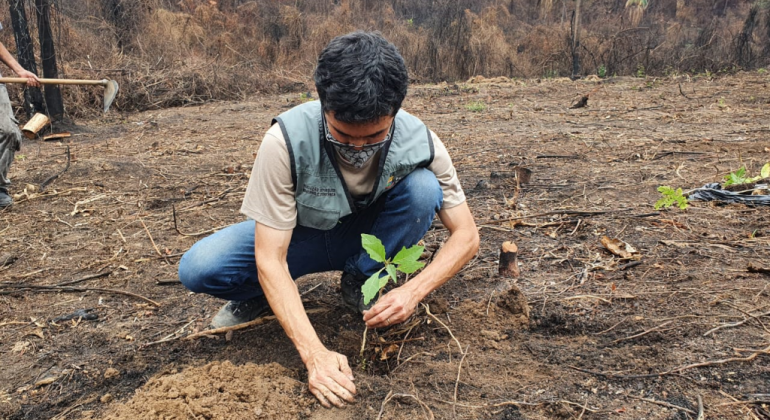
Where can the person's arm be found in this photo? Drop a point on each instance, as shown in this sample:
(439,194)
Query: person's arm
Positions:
(330,378)
(11,62)
(399,304)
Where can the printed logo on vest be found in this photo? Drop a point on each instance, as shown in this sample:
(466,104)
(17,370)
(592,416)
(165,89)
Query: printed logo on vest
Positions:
(392,181)
(319,191)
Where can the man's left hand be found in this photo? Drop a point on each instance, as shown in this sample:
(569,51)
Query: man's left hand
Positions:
(32,80)
(393,308)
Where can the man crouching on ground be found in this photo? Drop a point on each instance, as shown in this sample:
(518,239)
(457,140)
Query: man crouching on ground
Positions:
(326,172)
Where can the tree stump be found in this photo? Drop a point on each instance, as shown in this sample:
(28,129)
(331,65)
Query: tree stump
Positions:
(509,263)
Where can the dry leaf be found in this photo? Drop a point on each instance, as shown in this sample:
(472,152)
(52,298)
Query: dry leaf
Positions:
(620,248)
(21,346)
(390,349)
(46,381)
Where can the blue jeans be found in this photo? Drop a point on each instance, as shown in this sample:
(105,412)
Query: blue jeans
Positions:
(223,264)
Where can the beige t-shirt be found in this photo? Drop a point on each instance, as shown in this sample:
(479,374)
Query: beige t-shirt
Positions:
(270,195)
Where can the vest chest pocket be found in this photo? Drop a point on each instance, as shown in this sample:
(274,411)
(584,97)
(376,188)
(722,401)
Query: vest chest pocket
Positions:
(312,217)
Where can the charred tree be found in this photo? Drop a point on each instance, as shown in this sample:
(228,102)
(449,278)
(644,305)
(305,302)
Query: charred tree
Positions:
(53,98)
(576,41)
(743,50)
(25,54)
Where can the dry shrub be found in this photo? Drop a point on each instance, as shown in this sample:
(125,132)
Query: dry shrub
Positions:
(179,52)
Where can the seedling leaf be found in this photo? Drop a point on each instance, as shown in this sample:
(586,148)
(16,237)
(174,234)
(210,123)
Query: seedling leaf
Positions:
(410,267)
(373,247)
(411,254)
(392,273)
(736,178)
(671,197)
(765,172)
(372,286)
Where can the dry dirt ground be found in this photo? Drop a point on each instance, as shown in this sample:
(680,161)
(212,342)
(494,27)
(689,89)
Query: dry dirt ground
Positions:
(604,337)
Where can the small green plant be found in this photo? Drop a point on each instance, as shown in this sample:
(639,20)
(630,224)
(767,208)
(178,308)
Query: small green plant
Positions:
(670,198)
(20,157)
(305,97)
(640,71)
(405,261)
(410,22)
(739,177)
(721,103)
(601,71)
(762,71)
(476,106)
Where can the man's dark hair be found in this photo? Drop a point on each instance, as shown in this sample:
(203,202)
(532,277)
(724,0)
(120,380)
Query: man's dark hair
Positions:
(361,77)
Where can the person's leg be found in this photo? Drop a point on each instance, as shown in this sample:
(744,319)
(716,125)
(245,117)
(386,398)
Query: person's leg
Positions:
(400,218)
(223,264)
(10,143)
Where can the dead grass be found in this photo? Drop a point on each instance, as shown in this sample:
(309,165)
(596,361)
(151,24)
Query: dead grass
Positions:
(165,53)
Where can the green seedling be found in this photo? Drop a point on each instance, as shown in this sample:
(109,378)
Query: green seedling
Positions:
(405,261)
(601,71)
(476,106)
(305,97)
(739,177)
(670,198)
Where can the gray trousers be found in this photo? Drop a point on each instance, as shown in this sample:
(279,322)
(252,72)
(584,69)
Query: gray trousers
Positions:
(10,137)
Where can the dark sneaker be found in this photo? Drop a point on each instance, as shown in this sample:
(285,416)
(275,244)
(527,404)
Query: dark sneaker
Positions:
(238,312)
(5,199)
(352,296)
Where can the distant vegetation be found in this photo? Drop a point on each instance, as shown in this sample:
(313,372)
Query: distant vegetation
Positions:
(171,53)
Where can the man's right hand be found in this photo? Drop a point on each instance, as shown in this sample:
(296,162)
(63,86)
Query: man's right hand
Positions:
(330,378)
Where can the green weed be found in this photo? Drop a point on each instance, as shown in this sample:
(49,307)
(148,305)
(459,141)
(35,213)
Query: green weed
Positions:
(476,106)
(671,197)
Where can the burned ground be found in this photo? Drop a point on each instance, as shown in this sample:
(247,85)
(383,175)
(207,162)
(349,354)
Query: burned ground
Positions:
(604,338)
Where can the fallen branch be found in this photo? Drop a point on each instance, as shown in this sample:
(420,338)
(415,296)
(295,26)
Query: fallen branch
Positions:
(54,176)
(663,404)
(642,333)
(258,321)
(736,323)
(90,277)
(67,289)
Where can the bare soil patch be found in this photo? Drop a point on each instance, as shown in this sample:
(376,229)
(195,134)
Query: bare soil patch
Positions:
(603,339)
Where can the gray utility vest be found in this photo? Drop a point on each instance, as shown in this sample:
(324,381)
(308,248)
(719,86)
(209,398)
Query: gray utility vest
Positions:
(319,189)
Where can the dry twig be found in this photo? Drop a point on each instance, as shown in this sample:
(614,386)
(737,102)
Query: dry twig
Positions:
(67,289)
(457,382)
(258,321)
(425,409)
(663,404)
(427,310)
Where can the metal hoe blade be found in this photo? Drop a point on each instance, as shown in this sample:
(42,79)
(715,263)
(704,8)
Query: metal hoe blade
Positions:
(110,92)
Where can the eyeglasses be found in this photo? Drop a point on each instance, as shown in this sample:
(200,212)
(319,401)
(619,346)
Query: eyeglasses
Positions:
(348,146)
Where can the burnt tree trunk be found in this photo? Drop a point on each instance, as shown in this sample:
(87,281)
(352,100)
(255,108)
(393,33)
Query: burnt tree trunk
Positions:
(576,41)
(509,262)
(25,54)
(53,98)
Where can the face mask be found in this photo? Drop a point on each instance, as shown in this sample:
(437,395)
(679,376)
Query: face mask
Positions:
(357,158)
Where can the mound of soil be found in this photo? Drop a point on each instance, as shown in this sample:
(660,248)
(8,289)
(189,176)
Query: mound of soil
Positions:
(218,390)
